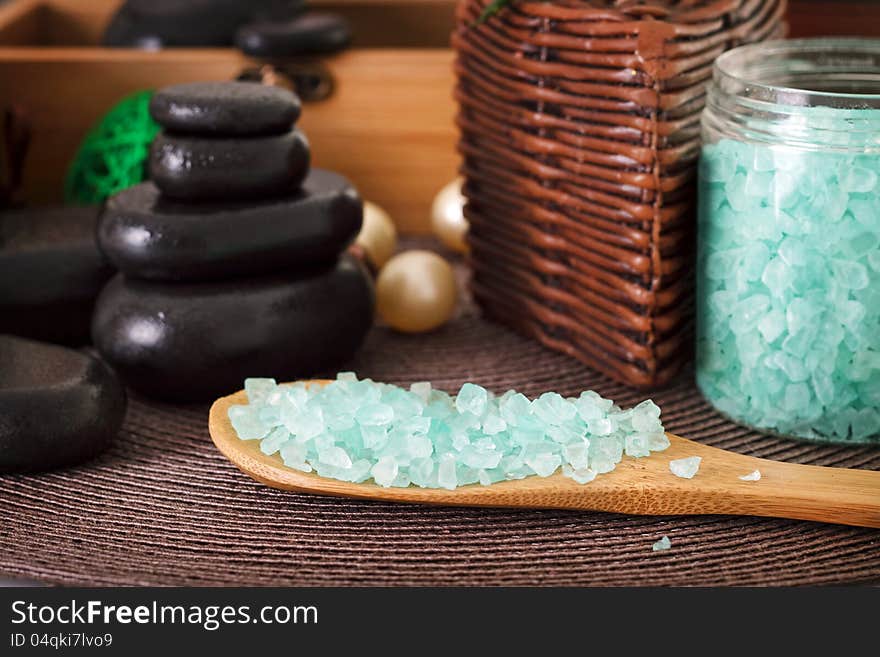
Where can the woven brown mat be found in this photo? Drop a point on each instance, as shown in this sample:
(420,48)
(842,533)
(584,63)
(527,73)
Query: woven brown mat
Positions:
(163,507)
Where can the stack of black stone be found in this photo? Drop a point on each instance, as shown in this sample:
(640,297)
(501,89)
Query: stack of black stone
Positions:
(232,256)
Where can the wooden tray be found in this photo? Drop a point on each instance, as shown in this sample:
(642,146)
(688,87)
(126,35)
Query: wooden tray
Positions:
(388,125)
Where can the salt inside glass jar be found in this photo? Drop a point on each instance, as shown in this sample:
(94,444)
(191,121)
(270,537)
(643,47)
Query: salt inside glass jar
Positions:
(788,307)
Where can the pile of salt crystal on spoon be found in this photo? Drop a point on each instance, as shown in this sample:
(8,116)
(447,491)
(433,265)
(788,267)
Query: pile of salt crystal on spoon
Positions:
(356,430)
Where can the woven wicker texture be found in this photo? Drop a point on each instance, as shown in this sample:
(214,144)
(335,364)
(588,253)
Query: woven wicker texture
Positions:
(580,129)
(164,507)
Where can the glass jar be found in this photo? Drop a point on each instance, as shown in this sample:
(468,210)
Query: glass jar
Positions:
(788,271)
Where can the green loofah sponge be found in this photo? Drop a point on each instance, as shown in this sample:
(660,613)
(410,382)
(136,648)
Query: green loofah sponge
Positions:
(113,156)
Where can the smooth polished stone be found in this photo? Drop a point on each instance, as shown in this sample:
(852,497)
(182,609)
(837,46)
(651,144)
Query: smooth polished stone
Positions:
(192,342)
(123,31)
(146,236)
(203,169)
(51,272)
(278,10)
(58,407)
(309,34)
(225,109)
(181,23)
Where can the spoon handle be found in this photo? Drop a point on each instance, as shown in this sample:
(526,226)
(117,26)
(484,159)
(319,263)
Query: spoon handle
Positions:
(785,490)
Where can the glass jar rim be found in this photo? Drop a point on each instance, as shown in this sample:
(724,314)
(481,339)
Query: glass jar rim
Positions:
(754,71)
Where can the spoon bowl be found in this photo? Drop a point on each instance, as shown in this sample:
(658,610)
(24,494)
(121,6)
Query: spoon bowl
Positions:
(643,486)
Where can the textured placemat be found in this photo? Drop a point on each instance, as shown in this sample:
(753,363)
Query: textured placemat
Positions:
(163,507)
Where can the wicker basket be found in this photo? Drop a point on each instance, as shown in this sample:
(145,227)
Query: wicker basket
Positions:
(579,129)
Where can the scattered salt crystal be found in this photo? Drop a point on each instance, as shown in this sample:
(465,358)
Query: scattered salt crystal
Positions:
(752,476)
(685,468)
(661,545)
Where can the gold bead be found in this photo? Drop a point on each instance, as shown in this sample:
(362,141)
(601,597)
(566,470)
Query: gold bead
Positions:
(416,291)
(378,236)
(447,217)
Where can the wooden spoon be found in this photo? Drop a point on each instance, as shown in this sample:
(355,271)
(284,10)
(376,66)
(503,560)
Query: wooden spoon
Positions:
(642,486)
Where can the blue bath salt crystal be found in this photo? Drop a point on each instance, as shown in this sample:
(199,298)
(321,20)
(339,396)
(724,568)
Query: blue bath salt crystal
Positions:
(685,468)
(358,430)
(789,286)
(247,423)
(662,545)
